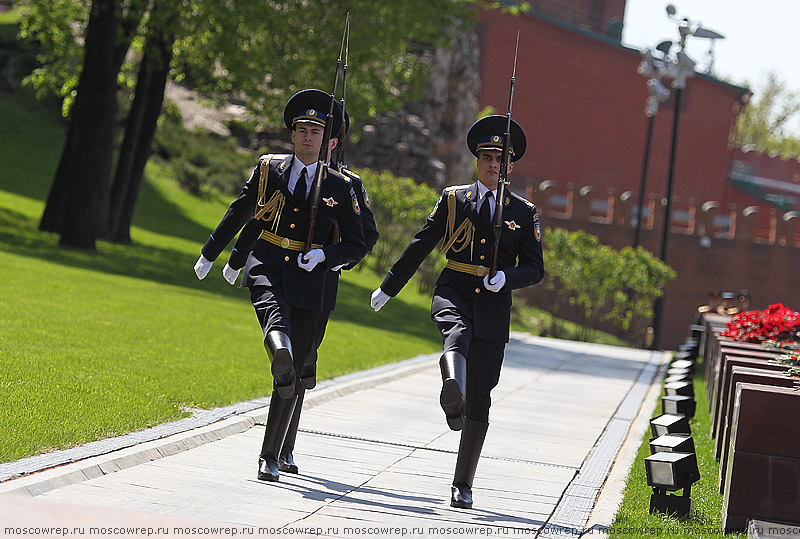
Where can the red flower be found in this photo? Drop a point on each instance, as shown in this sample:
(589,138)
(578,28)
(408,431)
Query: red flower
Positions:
(775,323)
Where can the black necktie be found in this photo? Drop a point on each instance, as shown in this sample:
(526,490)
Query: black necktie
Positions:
(300,187)
(485,212)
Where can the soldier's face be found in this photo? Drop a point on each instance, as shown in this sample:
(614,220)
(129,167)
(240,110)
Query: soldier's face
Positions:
(489,167)
(307,139)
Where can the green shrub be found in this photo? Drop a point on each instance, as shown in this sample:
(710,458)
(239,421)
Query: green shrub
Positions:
(400,206)
(599,283)
(201,161)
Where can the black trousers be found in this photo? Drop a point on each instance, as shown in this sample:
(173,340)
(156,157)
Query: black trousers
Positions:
(275,314)
(484,360)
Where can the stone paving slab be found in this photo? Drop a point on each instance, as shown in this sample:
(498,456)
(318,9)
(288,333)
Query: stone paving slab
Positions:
(381,456)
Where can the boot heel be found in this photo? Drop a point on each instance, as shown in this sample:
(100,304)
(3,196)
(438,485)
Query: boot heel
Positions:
(452,402)
(454,383)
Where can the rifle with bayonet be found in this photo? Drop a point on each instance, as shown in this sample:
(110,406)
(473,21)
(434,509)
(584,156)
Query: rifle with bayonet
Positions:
(339,161)
(497,222)
(316,188)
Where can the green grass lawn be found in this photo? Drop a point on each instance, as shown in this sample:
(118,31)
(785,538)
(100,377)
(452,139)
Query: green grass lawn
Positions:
(95,344)
(705,520)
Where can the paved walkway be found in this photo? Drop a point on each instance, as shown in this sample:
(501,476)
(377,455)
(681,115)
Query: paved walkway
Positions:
(376,459)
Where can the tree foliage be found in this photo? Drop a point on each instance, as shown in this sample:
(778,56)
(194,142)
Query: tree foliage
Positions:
(598,283)
(259,52)
(400,207)
(765,121)
(262,52)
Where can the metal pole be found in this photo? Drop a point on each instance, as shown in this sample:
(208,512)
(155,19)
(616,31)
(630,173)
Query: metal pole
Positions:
(650,121)
(659,307)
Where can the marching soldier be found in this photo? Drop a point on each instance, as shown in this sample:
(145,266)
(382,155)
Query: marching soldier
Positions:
(286,285)
(471,311)
(286,461)
(242,247)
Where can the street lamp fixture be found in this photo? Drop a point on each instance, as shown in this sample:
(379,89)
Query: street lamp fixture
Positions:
(670,471)
(669,424)
(679,67)
(678,405)
(679,441)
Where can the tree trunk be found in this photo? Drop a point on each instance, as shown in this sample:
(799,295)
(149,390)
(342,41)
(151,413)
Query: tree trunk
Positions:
(78,196)
(140,129)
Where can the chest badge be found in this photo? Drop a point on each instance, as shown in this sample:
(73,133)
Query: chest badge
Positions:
(330,202)
(512,225)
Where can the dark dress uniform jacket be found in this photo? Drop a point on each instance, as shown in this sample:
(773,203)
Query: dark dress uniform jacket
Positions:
(273,265)
(455,220)
(251,231)
(370,238)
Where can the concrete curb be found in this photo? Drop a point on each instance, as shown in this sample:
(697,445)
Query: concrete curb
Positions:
(611,494)
(573,514)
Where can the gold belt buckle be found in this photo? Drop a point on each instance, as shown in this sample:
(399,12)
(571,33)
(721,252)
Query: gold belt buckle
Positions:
(285,243)
(483,271)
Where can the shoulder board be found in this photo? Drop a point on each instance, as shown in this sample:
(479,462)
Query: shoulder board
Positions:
(522,199)
(336,174)
(350,174)
(450,188)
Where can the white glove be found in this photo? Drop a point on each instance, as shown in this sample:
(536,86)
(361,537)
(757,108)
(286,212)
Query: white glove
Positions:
(311,259)
(202,267)
(495,284)
(230,274)
(337,268)
(379,299)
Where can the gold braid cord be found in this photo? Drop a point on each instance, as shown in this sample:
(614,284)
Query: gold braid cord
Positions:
(462,236)
(274,207)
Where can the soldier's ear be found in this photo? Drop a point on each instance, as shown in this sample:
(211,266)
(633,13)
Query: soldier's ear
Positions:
(510,166)
(333,143)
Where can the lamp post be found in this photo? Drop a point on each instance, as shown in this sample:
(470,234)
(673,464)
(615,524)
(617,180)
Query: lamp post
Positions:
(653,69)
(680,68)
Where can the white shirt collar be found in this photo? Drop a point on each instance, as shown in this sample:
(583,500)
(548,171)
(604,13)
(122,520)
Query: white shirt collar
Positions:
(297,168)
(482,190)
(298,165)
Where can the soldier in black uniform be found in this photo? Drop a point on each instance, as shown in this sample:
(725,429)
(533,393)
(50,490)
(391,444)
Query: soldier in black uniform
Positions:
(286,286)
(242,247)
(473,313)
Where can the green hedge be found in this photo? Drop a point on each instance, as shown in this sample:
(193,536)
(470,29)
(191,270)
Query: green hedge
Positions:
(599,283)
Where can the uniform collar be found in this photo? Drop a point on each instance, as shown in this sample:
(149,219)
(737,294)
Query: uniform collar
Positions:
(298,165)
(482,190)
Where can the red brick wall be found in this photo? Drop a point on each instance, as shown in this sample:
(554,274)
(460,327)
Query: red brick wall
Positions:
(743,257)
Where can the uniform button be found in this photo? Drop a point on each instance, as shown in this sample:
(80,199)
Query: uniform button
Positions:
(291,225)
(296,210)
(477,290)
(483,240)
(482,257)
(286,258)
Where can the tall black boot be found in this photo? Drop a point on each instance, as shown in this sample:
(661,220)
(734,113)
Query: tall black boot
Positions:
(280,349)
(278,419)
(286,459)
(308,373)
(469,451)
(454,384)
